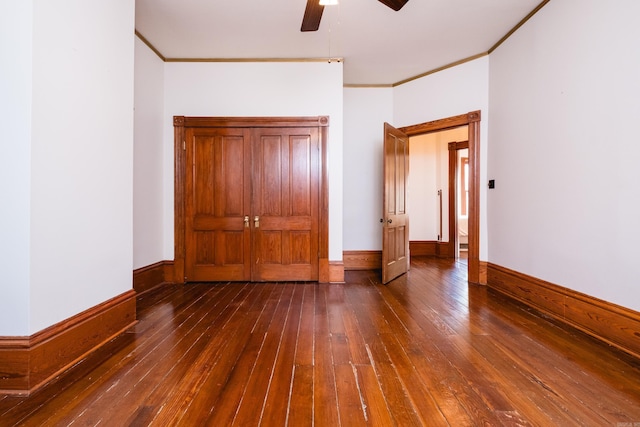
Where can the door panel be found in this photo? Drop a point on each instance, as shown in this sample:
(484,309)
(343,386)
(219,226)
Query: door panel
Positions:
(217,199)
(252,204)
(285,202)
(395,235)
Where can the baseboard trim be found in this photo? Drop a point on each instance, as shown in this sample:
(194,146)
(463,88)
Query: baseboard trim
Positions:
(169,272)
(324,270)
(336,272)
(423,247)
(362,260)
(150,276)
(28,363)
(372,260)
(445,250)
(617,326)
(431,248)
(483,267)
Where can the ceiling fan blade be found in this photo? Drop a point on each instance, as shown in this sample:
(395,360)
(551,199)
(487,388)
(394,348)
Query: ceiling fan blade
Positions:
(393,4)
(312,15)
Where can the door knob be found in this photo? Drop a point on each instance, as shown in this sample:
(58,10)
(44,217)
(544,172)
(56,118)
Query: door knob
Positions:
(256,221)
(389,220)
(246,221)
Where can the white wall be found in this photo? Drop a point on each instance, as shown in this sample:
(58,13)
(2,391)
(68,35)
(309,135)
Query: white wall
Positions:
(428,173)
(463,219)
(148,157)
(423,201)
(257,89)
(81,156)
(15,165)
(565,103)
(451,92)
(365,111)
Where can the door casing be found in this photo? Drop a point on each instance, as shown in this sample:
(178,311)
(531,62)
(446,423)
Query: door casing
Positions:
(472,119)
(454,185)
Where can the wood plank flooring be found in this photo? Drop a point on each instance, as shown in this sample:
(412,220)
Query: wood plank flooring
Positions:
(426,350)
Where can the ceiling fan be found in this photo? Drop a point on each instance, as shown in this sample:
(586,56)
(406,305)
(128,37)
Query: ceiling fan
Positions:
(313,12)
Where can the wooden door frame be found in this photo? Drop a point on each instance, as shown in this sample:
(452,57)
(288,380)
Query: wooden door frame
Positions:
(453,194)
(179,125)
(472,120)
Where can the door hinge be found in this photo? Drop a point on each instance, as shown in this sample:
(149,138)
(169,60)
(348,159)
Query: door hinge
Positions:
(184,145)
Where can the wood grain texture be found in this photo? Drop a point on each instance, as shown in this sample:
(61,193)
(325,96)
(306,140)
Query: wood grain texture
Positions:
(252,122)
(483,271)
(362,260)
(445,250)
(286,198)
(423,247)
(372,260)
(613,324)
(336,272)
(324,191)
(217,199)
(169,272)
(395,230)
(297,247)
(14,365)
(148,277)
(428,349)
(431,248)
(473,224)
(30,362)
(436,125)
(324,273)
(179,213)
(312,16)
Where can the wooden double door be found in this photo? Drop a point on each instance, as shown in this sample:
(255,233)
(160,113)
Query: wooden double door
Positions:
(252,202)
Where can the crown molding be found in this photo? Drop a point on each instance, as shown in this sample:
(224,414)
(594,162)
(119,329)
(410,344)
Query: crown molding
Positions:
(150,46)
(329,60)
(352,85)
(444,67)
(518,25)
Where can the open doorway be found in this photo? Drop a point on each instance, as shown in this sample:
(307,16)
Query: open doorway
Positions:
(438,225)
(459,197)
(472,121)
(463,201)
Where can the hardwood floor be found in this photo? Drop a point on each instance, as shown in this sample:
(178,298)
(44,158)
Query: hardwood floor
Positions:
(427,349)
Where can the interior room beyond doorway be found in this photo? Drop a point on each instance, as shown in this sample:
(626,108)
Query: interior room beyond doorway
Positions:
(429,192)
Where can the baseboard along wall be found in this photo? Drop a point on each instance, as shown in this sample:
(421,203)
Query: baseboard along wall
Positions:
(431,248)
(28,363)
(150,276)
(362,260)
(613,324)
(618,326)
(372,259)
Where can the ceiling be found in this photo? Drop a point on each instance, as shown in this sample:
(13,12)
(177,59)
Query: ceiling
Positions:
(378,45)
